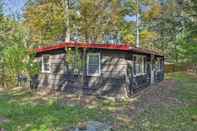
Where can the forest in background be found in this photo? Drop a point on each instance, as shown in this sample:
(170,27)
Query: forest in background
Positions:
(167,26)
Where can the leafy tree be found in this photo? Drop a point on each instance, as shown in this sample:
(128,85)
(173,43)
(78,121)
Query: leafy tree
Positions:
(14,51)
(188,38)
(129,38)
(18,62)
(149,11)
(190,10)
(45,19)
(91,21)
(14,63)
(148,38)
(162,22)
(1,8)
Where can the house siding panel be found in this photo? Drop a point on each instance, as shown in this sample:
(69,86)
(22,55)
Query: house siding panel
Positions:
(116,77)
(138,81)
(111,81)
(113,71)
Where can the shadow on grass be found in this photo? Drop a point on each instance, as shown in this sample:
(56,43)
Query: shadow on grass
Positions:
(155,108)
(29,115)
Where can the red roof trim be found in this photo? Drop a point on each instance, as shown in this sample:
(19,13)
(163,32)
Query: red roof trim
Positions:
(120,47)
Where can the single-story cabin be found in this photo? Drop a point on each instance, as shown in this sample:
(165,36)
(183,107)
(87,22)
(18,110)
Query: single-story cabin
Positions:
(107,69)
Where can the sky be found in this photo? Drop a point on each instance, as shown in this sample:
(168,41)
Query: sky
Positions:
(13,6)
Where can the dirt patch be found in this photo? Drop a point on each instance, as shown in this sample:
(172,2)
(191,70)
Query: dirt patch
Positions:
(162,94)
(155,96)
(1,89)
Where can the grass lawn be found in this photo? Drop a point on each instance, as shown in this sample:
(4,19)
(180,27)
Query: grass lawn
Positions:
(169,106)
(24,112)
(178,116)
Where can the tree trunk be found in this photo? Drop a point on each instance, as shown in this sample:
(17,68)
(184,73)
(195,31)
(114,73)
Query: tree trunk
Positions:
(175,51)
(67,22)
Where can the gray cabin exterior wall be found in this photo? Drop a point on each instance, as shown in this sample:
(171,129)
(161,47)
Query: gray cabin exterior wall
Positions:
(144,80)
(111,82)
(138,81)
(56,76)
(116,79)
(113,71)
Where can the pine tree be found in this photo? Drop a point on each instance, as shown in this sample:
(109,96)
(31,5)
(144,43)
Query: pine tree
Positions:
(1,8)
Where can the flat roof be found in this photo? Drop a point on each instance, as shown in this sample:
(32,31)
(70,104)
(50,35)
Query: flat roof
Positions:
(117,47)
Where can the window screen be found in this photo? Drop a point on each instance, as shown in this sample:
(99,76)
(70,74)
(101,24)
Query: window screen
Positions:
(93,64)
(45,63)
(139,64)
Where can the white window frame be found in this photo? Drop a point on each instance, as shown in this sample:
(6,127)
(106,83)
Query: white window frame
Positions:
(87,66)
(49,62)
(144,66)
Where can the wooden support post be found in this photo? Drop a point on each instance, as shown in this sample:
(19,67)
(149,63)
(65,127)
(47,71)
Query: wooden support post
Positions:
(152,69)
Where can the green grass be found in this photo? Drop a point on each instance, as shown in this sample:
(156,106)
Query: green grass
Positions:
(173,118)
(26,114)
(186,87)
(31,115)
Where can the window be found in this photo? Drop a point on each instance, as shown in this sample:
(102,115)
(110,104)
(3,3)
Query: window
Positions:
(159,64)
(93,64)
(46,64)
(139,64)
